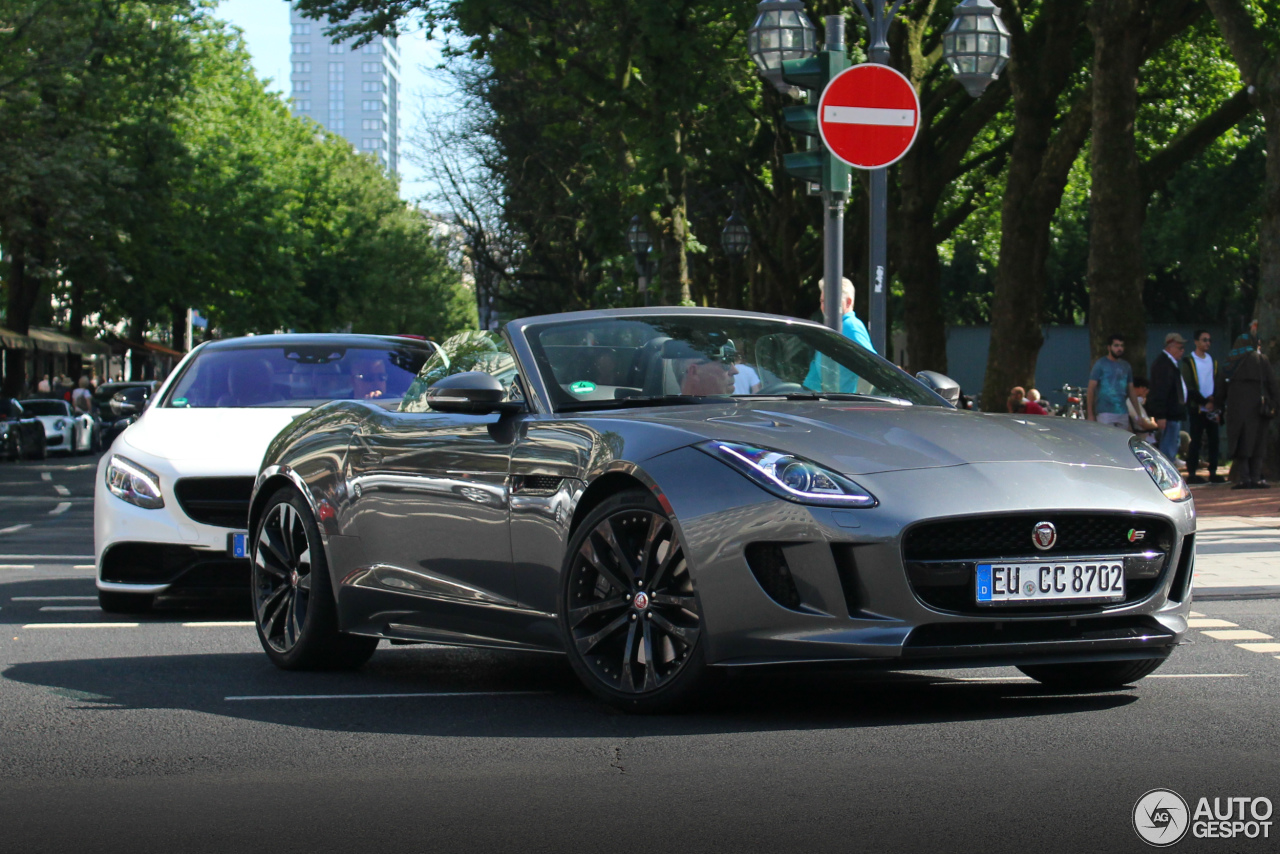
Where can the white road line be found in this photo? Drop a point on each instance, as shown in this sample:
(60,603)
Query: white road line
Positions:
(45,557)
(69,608)
(386,696)
(868,116)
(54,599)
(1197,675)
(13,529)
(61,490)
(1205,623)
(81,626)
(1194,614)
(216,624)
(1237,634)
(63,507)
(1260,647)
(46,476)
(991,679)
(84,566)
(17,566)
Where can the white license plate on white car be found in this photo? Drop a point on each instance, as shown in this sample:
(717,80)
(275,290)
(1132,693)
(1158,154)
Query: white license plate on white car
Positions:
(1079,582)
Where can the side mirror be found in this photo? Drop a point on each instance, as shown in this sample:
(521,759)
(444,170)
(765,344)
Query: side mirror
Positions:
(945,387)
(470,393)
(122,407)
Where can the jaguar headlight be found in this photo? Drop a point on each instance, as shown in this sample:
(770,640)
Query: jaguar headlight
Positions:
(1161,470)
(130,482)
(791,477)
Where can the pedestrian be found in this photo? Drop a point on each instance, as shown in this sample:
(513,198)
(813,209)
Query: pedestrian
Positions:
(82,398)
(1111,387)
(1167,401)
(43,386)
(852,328)
(1200,373)
(1017,400)
(1033,405)
(1246,342)
(1252,399)
(1142,424)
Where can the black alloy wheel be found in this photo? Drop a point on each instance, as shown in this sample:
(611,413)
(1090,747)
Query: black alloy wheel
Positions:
(631,617)
(16,451)
(293,604)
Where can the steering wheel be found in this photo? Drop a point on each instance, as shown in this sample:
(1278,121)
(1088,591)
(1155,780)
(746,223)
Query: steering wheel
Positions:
(783,388)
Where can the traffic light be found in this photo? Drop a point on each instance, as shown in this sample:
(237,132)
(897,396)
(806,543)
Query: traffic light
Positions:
(816,164)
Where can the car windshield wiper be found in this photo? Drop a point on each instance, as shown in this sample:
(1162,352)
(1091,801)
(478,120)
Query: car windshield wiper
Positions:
(642,400)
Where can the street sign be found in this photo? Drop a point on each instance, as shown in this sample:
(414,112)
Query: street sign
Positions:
(868,116)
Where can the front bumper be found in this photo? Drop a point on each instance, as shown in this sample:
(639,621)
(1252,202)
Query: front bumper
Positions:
(160,551)
(851,600)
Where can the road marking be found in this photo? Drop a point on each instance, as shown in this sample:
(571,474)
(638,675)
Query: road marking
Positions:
(1197,675)
(46,476)
(17,566)
(81,626)
(216,624)
(991,679)
(13,529)
(1194,614)
(61,490)
(63,507)
(54,599)
(1203,623)
(69,608)
(44,557)
(385,696)
(1238,634)
(1260,647)
(84,566)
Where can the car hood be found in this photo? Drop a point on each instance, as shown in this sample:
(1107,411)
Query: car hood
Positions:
(235,438)
(867,438)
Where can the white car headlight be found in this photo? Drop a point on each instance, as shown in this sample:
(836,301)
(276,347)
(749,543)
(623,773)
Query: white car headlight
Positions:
(1161,470)
(130,482)
(60,424)
(791,477)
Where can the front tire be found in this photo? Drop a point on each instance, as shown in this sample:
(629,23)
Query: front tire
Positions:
(630,616)
(293,603)
(125,603)
(1099,676)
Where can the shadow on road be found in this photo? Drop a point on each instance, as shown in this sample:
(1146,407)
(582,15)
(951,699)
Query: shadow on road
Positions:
(748,702)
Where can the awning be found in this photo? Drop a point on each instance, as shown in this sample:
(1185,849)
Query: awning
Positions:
(53,341)
(156,348)
(10,340)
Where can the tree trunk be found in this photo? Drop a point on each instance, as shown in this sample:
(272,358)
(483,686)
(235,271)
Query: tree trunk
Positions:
(23,290)
(1117,205)
(178,328)
(137,356)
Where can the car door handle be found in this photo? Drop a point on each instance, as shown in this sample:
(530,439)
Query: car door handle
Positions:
(370,458)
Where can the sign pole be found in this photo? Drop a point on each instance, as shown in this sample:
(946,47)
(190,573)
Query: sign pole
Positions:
(833,201)
(878,260)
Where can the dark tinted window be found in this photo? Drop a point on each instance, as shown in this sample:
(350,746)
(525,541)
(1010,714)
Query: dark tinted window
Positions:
(46,407)
(296,375)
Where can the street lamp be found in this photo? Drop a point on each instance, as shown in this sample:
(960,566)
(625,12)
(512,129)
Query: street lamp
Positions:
(641,245)
(736,237)
(976,45)
(781,32)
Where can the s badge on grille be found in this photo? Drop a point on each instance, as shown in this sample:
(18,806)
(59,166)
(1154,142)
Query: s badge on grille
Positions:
(1044,535)
(1135,535)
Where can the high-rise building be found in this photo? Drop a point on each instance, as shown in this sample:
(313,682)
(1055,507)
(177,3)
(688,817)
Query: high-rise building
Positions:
(353,91)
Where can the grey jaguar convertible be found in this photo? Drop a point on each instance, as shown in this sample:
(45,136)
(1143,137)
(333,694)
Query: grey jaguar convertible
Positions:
(662,494)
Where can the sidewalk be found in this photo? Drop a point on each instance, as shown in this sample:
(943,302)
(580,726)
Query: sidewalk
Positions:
(1237,542)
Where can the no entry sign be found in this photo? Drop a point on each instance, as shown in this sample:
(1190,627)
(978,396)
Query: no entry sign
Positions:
(868,116)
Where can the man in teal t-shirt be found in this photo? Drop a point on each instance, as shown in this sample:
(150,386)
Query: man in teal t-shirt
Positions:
(852,328)
(1110,385)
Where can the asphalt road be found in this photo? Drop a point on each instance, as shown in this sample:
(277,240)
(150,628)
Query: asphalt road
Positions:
(173,733)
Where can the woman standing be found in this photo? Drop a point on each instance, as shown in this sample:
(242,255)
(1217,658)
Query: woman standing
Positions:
(1251,403)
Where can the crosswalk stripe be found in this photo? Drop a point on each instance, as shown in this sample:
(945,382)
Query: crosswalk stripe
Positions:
(54,599)
(1204,623)
(81,626)
(63,507)
(218,624)
(1260,647)
(1237,634)
(384,696)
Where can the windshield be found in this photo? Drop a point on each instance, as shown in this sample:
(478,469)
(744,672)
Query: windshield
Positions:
(467,351)
(296,375)
(46,407)
(626,361)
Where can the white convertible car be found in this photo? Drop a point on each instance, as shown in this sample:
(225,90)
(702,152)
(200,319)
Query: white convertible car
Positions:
(64,428)
(172,499)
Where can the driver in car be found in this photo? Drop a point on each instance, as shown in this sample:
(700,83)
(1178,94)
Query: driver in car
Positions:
(368,378)
(707,367)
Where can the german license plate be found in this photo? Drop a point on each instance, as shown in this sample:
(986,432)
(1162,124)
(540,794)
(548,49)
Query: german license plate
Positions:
(1080,582)
(238,544)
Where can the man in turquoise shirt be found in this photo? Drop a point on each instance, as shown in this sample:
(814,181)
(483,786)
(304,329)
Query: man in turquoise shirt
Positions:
(852,328)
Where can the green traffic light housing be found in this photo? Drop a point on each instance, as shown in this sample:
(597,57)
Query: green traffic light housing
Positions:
(815,164)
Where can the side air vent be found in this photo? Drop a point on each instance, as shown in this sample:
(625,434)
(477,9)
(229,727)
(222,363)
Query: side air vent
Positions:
(847,569)
(540,483)
(769,565)
(1186,566)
